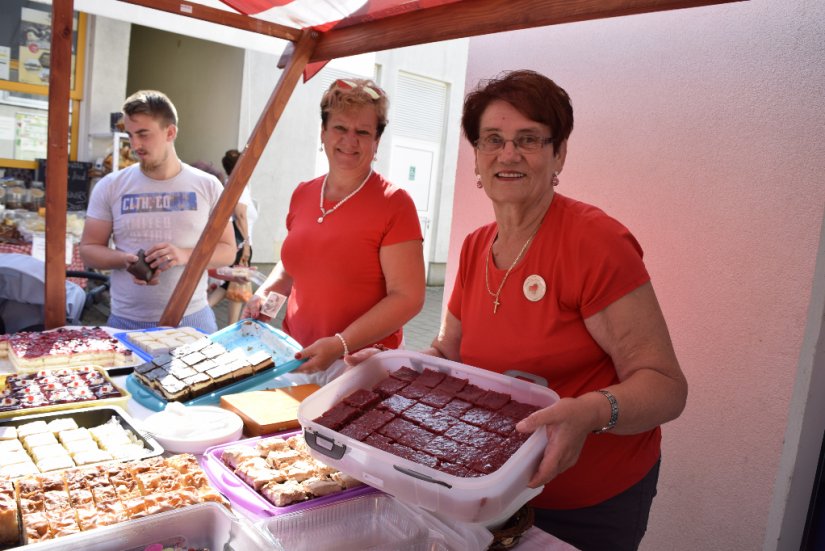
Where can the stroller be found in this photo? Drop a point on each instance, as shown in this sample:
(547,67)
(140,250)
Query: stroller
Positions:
(23,291)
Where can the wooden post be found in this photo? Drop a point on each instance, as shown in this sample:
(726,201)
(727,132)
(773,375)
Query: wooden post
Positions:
(240,174)
(57,165)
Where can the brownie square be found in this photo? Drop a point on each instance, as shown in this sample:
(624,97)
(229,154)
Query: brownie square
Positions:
(430,377)
(501,424)
(418,413)
(470,393)
(414,391)
(478,416)
(464,433)
(474,436)
(436,398)
(485,464)
(337,416)
(374,419)
(389,386)
(380,442)
(407,374)
(454,469)
(451,384)
(414,455)
(396,404)
(445,448)
(518,410)
(356,431)
(429,418)
(407,433)
(362,399)
(456,407)
(493,400)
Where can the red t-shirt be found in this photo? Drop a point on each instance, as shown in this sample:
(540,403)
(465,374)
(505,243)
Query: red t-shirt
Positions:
(587,260)
(335,269)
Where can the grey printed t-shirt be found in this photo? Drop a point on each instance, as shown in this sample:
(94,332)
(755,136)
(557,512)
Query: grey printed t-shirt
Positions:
(145,212)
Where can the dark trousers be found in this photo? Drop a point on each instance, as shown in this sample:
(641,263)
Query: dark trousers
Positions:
(617,524)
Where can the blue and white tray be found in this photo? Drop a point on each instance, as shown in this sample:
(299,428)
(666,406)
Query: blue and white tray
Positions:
(251,335)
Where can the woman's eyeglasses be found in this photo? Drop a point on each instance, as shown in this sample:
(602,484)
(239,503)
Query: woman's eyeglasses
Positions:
(372,91)
(526,143)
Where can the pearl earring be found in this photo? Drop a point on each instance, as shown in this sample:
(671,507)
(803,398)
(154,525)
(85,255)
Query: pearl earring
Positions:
(478,181)
(555,179)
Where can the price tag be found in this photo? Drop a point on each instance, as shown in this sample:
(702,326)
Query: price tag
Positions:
(39,247)
(272,304)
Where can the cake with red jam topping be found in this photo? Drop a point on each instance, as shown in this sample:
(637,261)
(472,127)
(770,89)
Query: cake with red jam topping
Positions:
(33,351)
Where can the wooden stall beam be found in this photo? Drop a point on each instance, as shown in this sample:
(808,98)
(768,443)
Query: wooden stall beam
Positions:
(221,17)
(478,17)
(237,180)
(57,165)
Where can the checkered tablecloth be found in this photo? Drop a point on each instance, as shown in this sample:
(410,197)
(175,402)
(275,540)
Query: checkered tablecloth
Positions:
(26,248)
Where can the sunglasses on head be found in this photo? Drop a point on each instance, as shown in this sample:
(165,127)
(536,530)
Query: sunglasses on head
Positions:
(372,91)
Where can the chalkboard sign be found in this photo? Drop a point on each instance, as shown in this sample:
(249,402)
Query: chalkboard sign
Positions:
(77,193)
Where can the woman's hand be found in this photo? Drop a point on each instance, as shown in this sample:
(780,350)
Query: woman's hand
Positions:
(357,357)
(252,309)
(320,354)
(568,423)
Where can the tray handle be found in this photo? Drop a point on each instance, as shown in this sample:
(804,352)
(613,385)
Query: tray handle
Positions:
(328,447)
(537,379)
(419,476)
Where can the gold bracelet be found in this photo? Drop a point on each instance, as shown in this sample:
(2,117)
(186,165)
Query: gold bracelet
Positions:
(344,342)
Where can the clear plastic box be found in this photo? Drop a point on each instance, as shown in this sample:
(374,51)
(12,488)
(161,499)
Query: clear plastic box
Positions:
(383,523)
(488,499)
(208,525)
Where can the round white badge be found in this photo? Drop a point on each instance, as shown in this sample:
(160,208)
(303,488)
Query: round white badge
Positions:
(534,288)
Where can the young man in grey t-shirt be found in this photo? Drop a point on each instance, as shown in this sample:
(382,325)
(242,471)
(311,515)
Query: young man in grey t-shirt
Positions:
(160,205)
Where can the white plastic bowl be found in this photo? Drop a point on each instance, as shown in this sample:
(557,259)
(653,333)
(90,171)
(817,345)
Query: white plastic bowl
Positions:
(193,429)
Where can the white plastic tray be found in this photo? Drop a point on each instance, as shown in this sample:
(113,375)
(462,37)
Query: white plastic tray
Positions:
(488,499)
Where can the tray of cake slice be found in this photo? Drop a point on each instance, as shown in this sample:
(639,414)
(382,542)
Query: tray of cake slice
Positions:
(52,390)
(31,444)
(273,475)
(31,351)
(63,505)
(248,355)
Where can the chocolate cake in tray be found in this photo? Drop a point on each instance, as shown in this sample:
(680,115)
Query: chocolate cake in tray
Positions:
(434,433)
(244,356)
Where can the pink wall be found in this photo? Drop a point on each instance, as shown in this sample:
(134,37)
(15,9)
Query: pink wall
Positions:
(702,130)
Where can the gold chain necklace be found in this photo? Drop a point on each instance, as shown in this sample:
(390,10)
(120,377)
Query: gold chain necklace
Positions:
(342,201)
(495,295)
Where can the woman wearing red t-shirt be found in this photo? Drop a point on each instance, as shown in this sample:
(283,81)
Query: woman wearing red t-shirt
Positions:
(352,263)
(557,288)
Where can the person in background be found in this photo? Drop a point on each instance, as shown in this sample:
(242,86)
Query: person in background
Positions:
(161,206)
(352,263)
(243,220)
(557,288)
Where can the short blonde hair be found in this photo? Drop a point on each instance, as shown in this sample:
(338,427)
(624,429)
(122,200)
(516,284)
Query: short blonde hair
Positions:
(347,93)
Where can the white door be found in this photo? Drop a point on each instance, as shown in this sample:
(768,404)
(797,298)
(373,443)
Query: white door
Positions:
(413,167)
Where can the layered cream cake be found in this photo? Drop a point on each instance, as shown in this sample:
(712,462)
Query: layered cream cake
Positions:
(161,341)
(33,351)
(199,367)
(283,471)
(38,446)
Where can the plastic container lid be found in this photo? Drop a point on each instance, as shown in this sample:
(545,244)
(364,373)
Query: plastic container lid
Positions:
(193,429)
